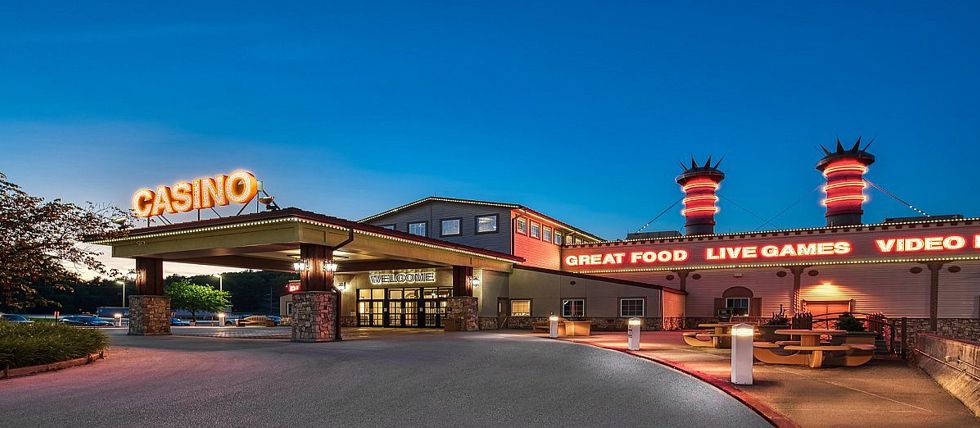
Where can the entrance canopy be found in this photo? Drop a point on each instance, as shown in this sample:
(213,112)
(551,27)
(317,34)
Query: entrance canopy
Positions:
(272,240)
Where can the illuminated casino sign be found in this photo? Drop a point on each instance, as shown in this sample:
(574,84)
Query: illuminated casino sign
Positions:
(954,242)
(239,187)
(424,277)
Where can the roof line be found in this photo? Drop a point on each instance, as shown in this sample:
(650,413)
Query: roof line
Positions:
(296,214)
(479,202)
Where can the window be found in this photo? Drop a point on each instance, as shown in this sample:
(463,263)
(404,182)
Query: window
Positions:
(546,235)
(388,226)
(737,306)
(418,228)
(535,230)
(632,307)
(522,226)
(571,308)
(520,308)
(289,309)
(557,238)
(450,227)
(486,223)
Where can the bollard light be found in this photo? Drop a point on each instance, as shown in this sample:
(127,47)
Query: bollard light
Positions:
(221,319)
(742,335)
(118,317)
(553,326)
(633,334)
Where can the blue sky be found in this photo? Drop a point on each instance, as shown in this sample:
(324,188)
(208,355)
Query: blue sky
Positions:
(578,109)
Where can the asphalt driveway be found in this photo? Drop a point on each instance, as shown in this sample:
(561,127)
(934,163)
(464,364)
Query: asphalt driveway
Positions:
(452,379)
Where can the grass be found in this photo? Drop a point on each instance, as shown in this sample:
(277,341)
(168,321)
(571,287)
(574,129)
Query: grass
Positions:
(23,345)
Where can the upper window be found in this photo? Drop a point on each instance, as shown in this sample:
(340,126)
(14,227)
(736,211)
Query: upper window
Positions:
(557,238)
(571,308)
(522,226)
(632,307)
(486,223)
(546,234)
(419,228)
(520,308)
(388,226)
(535,230)
(450,227)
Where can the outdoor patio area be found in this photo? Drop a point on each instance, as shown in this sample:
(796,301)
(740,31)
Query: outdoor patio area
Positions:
(884,392)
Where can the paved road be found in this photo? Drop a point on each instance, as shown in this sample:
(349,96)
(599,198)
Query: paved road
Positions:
(451,379)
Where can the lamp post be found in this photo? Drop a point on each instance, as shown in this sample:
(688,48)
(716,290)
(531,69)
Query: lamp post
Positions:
(221,281)
(130,276)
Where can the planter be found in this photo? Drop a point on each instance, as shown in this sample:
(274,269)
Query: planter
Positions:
(860,338)
(7,372)
(768,333)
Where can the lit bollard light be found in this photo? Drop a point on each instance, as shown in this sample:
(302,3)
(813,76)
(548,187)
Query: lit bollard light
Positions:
(221,319)
(118,319)
(553,326)
(742,336)
(633,334)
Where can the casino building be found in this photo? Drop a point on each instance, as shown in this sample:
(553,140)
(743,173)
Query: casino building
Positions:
(462,264)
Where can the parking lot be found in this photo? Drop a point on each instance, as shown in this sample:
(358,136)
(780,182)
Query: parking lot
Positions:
(391,377)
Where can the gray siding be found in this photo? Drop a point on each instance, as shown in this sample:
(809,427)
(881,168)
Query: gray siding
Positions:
(434,211)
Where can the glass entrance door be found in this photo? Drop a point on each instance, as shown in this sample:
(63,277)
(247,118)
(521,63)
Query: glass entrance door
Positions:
(370,307)
(402,307)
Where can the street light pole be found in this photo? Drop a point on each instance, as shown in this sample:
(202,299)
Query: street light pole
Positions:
(221,282)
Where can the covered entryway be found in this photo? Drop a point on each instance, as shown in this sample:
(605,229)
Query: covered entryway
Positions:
(319,248)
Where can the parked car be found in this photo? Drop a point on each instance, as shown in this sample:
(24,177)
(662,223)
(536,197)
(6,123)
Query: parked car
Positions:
(275,318)
(178,321)
(260,320)
(85,320)
(233,319)
(20,319)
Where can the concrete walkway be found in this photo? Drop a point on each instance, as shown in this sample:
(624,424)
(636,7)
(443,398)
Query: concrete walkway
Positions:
(884,393)
(425,379)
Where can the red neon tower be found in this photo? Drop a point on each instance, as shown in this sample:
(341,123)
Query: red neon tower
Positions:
(700,183)
(845,170)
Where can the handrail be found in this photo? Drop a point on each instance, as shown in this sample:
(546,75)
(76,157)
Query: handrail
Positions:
(948,364)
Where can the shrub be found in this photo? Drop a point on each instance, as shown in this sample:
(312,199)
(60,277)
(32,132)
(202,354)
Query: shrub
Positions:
(23,345)
(779,318)
(848,322)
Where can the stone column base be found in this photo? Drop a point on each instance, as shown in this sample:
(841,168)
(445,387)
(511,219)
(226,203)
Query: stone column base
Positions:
(313,316)
(461,314)
(149,315)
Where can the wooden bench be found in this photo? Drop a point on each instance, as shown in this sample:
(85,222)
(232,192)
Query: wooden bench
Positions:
(566,327)
(691,338)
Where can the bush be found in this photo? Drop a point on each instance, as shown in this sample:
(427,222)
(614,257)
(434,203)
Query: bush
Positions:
(23,345)
(848,322)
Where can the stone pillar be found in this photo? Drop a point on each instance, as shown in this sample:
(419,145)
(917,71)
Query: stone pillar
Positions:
(461,314)
(149,315)
(314,316)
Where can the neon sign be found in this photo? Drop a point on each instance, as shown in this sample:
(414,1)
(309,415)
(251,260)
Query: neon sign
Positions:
(239,187)
(932,243)
(773,251)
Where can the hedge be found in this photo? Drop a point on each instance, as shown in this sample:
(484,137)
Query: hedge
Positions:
(23,345)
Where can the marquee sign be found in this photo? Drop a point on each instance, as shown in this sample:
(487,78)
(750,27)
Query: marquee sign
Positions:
(239,187)
(424,277)
(951,241)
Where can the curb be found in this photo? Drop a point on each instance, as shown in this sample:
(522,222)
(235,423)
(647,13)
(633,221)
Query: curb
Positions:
(8,373)
(758,406)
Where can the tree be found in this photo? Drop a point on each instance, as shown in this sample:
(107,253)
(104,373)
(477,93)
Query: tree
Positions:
(193,297)
(39,244)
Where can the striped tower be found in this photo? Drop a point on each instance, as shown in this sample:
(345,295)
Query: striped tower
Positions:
(700,184)
(844,170)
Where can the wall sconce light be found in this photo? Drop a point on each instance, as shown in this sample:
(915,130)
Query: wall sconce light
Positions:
(301,265)
(475,281)
(330,266)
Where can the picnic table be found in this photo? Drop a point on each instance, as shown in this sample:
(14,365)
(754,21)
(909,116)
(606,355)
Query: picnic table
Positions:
(719,335)
(810,351)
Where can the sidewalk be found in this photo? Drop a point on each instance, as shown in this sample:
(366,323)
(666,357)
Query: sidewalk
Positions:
(884,393)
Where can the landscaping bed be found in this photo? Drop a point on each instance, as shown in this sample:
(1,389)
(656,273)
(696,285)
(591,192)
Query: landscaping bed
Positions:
(24,345)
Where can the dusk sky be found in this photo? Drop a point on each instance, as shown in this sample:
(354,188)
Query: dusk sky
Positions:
(580,110)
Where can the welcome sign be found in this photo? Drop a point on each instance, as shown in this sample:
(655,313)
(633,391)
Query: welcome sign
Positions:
(424,277)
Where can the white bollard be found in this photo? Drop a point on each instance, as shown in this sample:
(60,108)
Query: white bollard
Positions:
(633,334)
(118,319)
(553,326)
(742,337)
